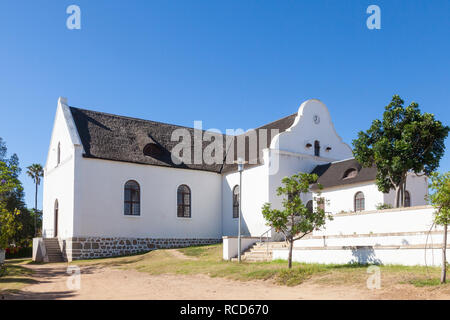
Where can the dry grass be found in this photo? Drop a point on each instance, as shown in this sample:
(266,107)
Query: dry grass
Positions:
(208,260)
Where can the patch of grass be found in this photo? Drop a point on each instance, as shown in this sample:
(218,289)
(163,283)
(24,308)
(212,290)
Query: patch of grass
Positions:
(16,275)
(200,251)
(425,282)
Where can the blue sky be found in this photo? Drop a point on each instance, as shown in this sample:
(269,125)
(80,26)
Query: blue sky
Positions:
(231,64)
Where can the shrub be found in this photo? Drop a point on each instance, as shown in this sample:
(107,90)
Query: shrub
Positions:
(18,252)
(383,206)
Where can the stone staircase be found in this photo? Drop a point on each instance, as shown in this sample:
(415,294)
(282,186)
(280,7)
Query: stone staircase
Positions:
(261,251)
(53,250)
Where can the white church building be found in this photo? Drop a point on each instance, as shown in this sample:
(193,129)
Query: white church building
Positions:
(111,186)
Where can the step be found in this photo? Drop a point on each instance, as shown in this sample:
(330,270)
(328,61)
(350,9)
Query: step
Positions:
(56,259)
(251,260)
(53,249)
(258,254)
(52,246)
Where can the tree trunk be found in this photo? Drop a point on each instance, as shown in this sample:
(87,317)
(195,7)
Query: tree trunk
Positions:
(400,193)
(397,197)
(403,192)
(444,257)
(291,244)
(35,210)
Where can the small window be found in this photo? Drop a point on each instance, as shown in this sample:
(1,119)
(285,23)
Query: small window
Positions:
(58,154)
(55,222)
(317,148)
(153,150)
(184,202)
(350,173)
(359,201)
(309,206)
(132,203)
(236,201)
(407,199)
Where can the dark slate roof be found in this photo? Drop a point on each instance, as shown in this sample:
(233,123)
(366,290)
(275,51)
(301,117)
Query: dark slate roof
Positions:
(118,138)
(331,174)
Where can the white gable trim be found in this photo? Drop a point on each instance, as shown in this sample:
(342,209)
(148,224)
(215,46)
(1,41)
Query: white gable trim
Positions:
(63,109)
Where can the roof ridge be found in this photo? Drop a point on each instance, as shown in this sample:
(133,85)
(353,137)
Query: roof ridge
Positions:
(175,125)
(132,118)
(267,124)
(343,160)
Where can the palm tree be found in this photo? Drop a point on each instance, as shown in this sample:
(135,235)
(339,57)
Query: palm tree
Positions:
(35,172)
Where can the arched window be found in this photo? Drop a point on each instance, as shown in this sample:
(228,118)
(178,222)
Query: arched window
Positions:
(58,154)
(309,206)
(317,148)
(183,201)
(236,201)
(407,199)
(56,211)
(359,201)
(132,203)
(350,173)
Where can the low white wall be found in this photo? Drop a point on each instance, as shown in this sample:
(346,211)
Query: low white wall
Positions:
(401,239)
(2,255)
(39,250)
(393,220)
(230,246)
(395,236)
(367,255)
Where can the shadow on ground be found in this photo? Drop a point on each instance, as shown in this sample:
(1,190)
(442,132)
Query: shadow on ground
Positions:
(39,274)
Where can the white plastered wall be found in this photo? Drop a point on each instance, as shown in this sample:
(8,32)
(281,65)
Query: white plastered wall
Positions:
(417,186)
(254,195)
(290,151)
(305,130)
(341,198)
(100,210)
(58,179)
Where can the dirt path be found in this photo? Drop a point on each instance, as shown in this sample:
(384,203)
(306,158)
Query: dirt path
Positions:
(108,283)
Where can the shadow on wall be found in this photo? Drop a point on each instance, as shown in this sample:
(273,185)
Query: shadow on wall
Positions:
(244,227)
(235,221)
(364,255)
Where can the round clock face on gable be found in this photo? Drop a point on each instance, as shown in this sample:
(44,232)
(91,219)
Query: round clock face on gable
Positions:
(316,119)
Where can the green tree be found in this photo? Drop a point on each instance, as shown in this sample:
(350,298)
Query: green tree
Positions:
(405,140)
(35,172)
(296,221)
(9,187)
(440,200)
(9,225)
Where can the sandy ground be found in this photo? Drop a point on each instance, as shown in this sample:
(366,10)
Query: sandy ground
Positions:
(108,283)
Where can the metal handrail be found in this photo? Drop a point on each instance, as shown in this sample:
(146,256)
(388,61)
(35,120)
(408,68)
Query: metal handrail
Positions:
(267,238)
(266,232)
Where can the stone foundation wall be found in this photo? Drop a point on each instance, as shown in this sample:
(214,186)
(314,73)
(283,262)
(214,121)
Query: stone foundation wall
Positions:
(97,247)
